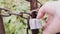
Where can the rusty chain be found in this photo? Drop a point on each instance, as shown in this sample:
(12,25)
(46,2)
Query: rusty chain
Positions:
(19,14)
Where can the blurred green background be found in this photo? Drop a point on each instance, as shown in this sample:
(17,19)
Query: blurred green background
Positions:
(15,24)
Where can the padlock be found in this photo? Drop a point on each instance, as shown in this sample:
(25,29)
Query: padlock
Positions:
(35,23)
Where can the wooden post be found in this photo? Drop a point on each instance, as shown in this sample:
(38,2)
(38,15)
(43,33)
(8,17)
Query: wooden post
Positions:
(2,30)
(33,5)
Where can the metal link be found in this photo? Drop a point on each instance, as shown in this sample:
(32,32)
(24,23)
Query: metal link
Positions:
(6,10)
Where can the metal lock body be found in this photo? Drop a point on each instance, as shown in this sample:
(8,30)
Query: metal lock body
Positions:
(35,23)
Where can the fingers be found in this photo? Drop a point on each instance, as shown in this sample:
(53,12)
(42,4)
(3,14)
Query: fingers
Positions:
(41,12)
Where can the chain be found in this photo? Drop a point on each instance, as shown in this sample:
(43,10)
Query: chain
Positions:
(19,14)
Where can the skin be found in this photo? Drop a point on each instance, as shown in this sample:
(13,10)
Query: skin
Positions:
(52,21)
